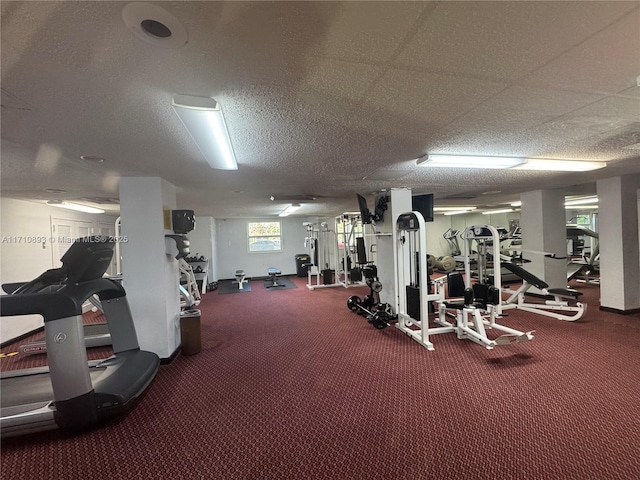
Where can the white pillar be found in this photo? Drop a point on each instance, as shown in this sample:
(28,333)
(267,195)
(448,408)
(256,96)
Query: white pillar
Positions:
(150,276)
(202,241)
(543,223)
(618,238)
(400,202)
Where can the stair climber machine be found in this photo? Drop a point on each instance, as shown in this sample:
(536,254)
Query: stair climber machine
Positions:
(380,315)
(72,393)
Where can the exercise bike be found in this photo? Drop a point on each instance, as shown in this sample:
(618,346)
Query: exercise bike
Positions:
(380,315)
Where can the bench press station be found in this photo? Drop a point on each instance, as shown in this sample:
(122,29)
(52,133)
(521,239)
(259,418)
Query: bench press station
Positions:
(273,272)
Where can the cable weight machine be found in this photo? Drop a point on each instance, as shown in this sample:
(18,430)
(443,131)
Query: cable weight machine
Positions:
(412,281)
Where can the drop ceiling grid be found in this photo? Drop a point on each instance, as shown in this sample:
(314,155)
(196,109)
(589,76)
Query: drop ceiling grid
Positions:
(503,40)
(608,62)
(401,97)
(366,32)
(488,127)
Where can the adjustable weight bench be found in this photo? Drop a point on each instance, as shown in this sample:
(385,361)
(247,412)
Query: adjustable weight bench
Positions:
(551,308)
(273,272)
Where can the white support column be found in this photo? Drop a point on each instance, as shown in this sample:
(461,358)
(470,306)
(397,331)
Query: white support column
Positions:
(202,241)
(618,237)
(400,202)
(542,219)
(150,276)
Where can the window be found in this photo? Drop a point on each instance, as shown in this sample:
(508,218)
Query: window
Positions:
(583,219)
(264,237)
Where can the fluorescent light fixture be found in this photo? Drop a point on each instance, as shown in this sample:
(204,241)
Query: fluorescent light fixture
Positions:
(457,212)
(580,207)
(516,204)
(552,165)
(292,198)
(203,119)
(581,201)
(452,209)
(75,206)
(467,161)
(289,210)
(501,210)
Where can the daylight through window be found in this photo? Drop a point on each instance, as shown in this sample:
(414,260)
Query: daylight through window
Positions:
(264,237)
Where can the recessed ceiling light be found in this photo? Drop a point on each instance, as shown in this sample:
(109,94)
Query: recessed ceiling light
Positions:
(92,158)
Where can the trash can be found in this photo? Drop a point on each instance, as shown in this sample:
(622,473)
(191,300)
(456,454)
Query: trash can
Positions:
(302,264)
(190,339)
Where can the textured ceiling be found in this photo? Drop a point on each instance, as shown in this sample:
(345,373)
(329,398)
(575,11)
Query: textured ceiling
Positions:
(320,98)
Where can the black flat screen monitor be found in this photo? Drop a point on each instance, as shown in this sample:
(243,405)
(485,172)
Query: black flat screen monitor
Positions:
(183,221)
(364,211)
(424,205)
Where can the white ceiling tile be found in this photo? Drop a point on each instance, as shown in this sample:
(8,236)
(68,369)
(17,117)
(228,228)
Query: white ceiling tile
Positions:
(504,40)
(401,97)
(366,31)
(608,62)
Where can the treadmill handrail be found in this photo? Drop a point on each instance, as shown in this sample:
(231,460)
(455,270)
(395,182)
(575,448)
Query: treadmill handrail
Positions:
(60,304)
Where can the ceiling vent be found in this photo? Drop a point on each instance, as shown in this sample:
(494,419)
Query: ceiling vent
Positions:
(154,25)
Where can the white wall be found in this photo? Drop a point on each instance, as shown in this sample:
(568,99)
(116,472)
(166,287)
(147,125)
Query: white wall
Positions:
(233,247)
(23,256)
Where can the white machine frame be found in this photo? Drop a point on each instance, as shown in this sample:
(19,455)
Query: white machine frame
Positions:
(322,233)
(349,221)
(189,291)
(559,308)
(410,230)
(472,319)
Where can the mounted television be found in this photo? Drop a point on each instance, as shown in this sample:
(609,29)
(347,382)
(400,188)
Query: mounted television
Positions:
(365,214)
(183,221)
(424,205)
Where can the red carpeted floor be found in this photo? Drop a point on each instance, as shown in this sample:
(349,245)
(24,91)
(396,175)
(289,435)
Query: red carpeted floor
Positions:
(292,385)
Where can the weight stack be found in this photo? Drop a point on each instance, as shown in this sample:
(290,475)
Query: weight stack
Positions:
(413,302)
(327,276)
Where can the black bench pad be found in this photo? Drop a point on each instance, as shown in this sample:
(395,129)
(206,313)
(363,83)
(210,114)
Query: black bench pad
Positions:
(565,292)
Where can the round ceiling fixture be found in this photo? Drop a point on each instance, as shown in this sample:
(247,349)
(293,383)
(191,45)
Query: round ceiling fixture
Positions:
(154,25)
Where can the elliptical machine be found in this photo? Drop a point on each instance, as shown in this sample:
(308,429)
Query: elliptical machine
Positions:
(380,315)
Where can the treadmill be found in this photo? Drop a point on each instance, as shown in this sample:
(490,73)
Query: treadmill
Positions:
(72,393)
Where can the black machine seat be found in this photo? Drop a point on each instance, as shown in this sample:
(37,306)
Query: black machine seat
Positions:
(456,288)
